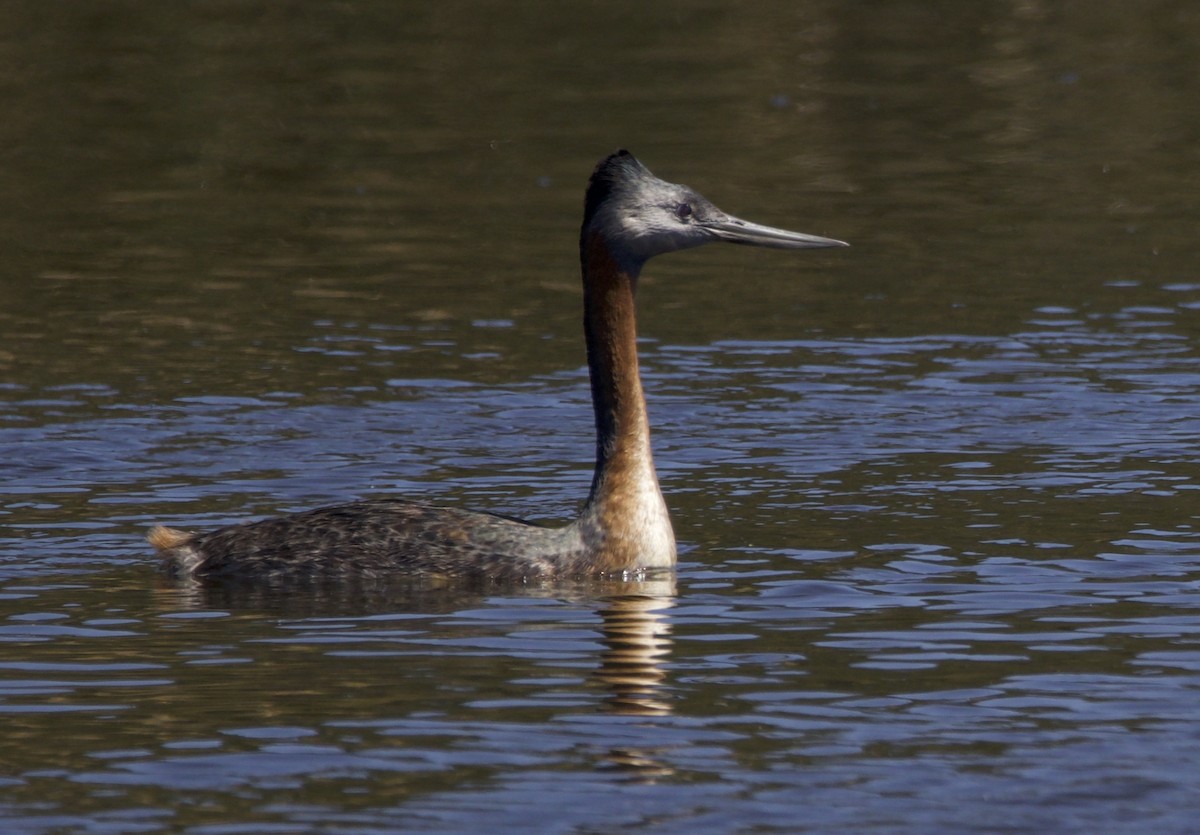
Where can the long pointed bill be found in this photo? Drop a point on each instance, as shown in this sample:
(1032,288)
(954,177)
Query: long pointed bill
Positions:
(737,231)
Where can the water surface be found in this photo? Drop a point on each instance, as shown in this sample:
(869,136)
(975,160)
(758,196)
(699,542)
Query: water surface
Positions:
(936,494)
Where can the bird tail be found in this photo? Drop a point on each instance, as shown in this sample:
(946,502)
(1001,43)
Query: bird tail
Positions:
(164,539)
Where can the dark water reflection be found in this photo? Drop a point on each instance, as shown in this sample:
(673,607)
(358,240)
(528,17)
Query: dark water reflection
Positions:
(937,493)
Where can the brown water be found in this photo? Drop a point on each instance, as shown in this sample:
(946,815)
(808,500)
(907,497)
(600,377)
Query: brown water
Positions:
(937,493)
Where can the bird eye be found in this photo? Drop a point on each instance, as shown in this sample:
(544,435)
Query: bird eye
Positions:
(683,211)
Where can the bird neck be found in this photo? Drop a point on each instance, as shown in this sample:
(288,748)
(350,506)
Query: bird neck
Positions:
(625,502)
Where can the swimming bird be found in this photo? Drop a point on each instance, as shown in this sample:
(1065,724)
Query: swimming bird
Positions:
(629,216)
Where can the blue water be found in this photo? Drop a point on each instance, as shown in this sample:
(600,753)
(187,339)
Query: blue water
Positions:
(934,583)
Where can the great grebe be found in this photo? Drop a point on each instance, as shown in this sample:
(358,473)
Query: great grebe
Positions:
(629,216)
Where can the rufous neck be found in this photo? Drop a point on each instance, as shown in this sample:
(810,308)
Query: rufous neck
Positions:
(610,324)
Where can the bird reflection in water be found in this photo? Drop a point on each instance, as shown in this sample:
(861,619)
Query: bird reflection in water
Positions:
(637,645)
(637,639)
(635,630)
